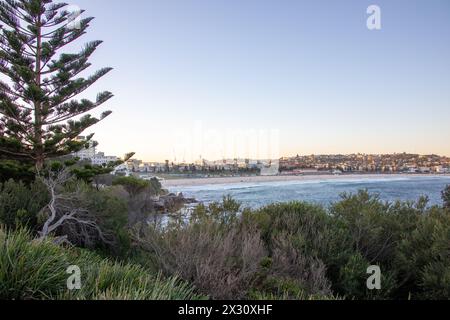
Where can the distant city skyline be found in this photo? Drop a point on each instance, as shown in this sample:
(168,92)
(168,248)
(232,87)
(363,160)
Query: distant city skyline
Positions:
(309,70)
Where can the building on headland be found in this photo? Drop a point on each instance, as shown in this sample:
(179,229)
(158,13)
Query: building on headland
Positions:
(441,169)
(100,159)
(88,152)
(425,170)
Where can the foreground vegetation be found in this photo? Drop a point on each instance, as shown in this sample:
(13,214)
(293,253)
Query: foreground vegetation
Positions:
(299,250)
(37,270)
(282,251)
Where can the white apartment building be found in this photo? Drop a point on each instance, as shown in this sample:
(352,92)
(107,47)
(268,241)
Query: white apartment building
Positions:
(86,153)
(441,169)
(100,159)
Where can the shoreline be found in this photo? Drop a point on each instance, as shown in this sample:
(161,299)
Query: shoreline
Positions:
(192,182)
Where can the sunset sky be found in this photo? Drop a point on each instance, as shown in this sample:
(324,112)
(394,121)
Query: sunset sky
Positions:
(301,76)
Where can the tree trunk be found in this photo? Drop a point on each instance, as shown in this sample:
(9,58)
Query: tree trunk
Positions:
(38,147)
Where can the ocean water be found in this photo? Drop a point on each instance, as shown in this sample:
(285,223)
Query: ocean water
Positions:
(323,192)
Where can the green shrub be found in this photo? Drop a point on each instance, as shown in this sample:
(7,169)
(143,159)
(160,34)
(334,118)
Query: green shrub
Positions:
(111,215)
(299,236)
(314,252)
(446,197)
(226,253)
(308,226)
(221,260)
(423,257)
(134,186)
(20,204)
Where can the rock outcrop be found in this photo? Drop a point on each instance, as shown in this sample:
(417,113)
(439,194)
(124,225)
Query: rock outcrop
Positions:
(172,203)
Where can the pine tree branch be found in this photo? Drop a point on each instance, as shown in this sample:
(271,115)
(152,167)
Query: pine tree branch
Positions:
(15,153)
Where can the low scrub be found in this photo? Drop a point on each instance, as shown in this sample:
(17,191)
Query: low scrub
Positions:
(305,251)
(226,256)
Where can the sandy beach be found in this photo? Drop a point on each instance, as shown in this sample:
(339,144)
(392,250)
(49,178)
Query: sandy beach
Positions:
(267,179)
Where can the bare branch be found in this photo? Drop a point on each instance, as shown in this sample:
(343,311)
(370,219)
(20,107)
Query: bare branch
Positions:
(65,213)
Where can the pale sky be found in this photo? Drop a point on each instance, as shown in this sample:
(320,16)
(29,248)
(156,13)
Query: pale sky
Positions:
(233,78)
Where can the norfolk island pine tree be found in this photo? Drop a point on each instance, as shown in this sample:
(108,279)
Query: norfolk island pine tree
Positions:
(40,117)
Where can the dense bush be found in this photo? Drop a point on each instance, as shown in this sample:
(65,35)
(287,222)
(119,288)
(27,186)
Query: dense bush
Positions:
(409,241)
(294,234)
(225,256)
(111,216)
(135,186)
(423,257)
(37,270)
(446,197)
(220,256)
(20,204)
(297,249)
(139,195)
